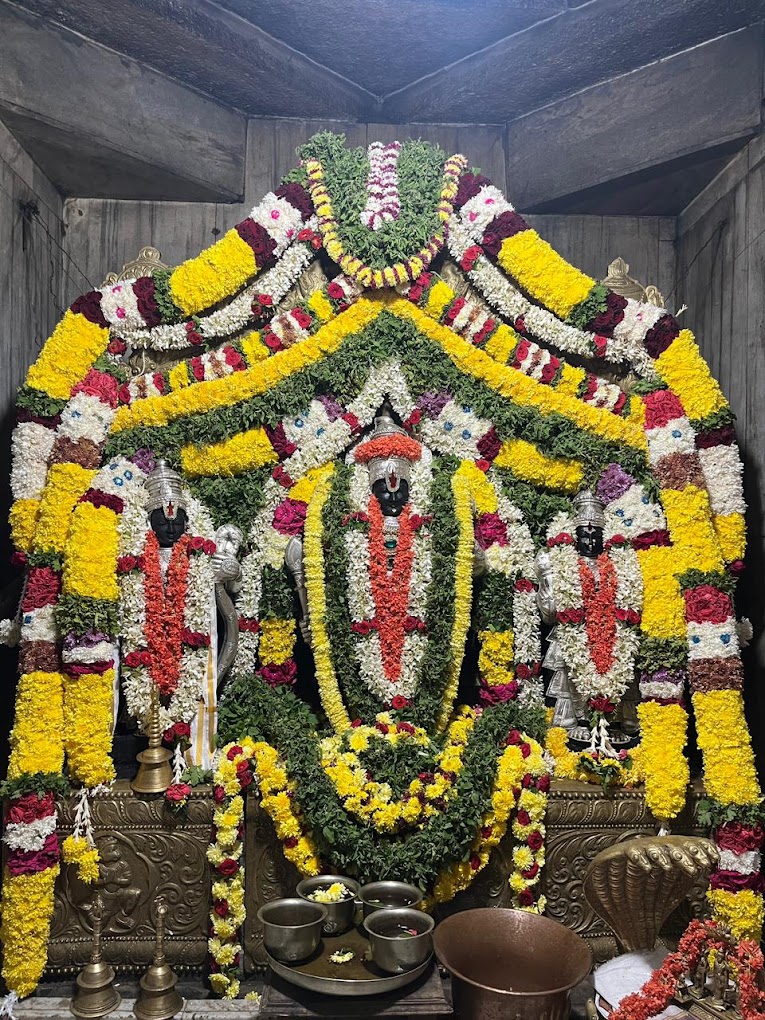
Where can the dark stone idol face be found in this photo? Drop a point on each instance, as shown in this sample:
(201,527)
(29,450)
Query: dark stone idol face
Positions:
(589,541)
(391,503)
(167,532)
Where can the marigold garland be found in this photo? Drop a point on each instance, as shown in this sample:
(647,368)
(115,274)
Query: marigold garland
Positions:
(67,355)
(663,730)
(88,724)
(25,927)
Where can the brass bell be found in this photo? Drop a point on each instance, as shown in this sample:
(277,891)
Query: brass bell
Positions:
(154,771)
(158,998)
(96,995)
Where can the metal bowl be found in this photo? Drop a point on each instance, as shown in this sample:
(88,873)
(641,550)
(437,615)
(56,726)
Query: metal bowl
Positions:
(392,950)
(388,896)
(292,928)
(340,915)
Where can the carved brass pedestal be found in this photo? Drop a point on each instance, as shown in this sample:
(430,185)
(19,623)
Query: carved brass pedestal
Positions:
(147,851)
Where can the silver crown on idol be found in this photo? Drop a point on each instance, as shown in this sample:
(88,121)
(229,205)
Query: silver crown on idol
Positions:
(589,510)
(388,451)
(164,491)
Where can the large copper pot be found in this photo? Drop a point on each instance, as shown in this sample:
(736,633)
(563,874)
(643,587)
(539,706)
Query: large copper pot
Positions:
(510,964)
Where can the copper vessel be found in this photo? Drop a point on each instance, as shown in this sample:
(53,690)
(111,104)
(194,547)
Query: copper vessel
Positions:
(510,963)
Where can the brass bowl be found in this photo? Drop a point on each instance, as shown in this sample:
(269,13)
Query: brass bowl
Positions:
(292,928)
(388,896)
(340,915)
(393,951)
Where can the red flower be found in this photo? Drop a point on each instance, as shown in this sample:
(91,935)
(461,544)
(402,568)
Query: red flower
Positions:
(234,751)
(289,516)
(513,737)
(335,291)
(169,735)
(291,842)
(382,727)
(30,808)
(363,627)
(475,862)
(543,784)
(182,729)
(661,407)
(405,727)
(601,704)
(356,723)
(178,793)
(43,587)
(523,817)
(305,234)
(523,584)
(303,319)
(486,831)
(531,872)
(242,767)
(219,794)
(221,907)
(490,530)
(133,660)
(525,749)
(526,781)
(526,898)
(470,257)
(706,604)
(228,867)
(535,840)
(399,702)
(739,838)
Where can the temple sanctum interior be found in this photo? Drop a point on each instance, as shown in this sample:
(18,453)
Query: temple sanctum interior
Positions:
(382,562)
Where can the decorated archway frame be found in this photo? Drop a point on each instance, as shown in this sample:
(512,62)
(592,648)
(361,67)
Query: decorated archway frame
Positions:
(72,402)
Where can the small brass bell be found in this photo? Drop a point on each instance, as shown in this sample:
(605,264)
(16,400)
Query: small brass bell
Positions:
(154,771)
(158,998)
(96,995)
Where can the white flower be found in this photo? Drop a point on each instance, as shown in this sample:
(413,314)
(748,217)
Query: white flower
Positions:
(677,436)
(29,836)
(723,471)
(712,640)
(280,218)
(31,447)
(118,477)
(39,624)
(120,306)
(746,863)
(103,651)
(639,317)
(633,514)
(478,212)
(665,690)
(86,417)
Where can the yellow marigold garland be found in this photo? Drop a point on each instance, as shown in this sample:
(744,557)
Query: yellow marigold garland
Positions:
(569,764)
(690,525)
(23,521)
(542,273)
(729,773)
(216,273)
(86,858)
(67,356)
(65,484)
(314,573)
(37,735)
(88,706)
(741,911)
(495,659)
(687,374)
(243,452)
(277,640)
(25,927)
(663,605)
(463,585)
(90,554)
(663,731)
(527,462)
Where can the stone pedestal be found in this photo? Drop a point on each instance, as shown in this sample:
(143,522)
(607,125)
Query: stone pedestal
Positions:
(147,849)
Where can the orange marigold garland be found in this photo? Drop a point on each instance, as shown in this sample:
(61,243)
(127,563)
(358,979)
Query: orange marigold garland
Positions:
(165,612)
(390,591)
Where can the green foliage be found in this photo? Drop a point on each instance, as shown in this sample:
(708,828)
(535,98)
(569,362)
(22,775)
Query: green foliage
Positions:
(162,295)
(240,496)
(494,602)
(420,176)
(79,613)
(352,847)
(54,560)
(716,420)
(711,813)
(35,782)
(397,764)
(658,653)
(537,506)
(277,600)
(595,303)
(649,385)
(693,578)
(39,403)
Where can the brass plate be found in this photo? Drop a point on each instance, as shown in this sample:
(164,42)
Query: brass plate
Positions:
(359,977)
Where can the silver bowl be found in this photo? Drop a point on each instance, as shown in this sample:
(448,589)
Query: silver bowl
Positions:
(392,950)
(388,896)
(340,915)
(291,928)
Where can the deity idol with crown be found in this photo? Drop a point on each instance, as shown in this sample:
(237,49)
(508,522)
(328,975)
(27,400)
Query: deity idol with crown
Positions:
(174,581)
(588,592)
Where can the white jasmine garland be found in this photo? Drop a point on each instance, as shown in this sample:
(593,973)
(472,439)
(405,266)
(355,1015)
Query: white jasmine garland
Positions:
(456,431)
(120,306)
(382,204)
(102,651)
(633,514)
(385,380)
(233,316)
(509,302)
(661,689)
(279,218)
(478,212)
(39,624)
(30,449)
(677,436)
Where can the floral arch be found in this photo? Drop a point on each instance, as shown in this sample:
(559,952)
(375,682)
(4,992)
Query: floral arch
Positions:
(525,379)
